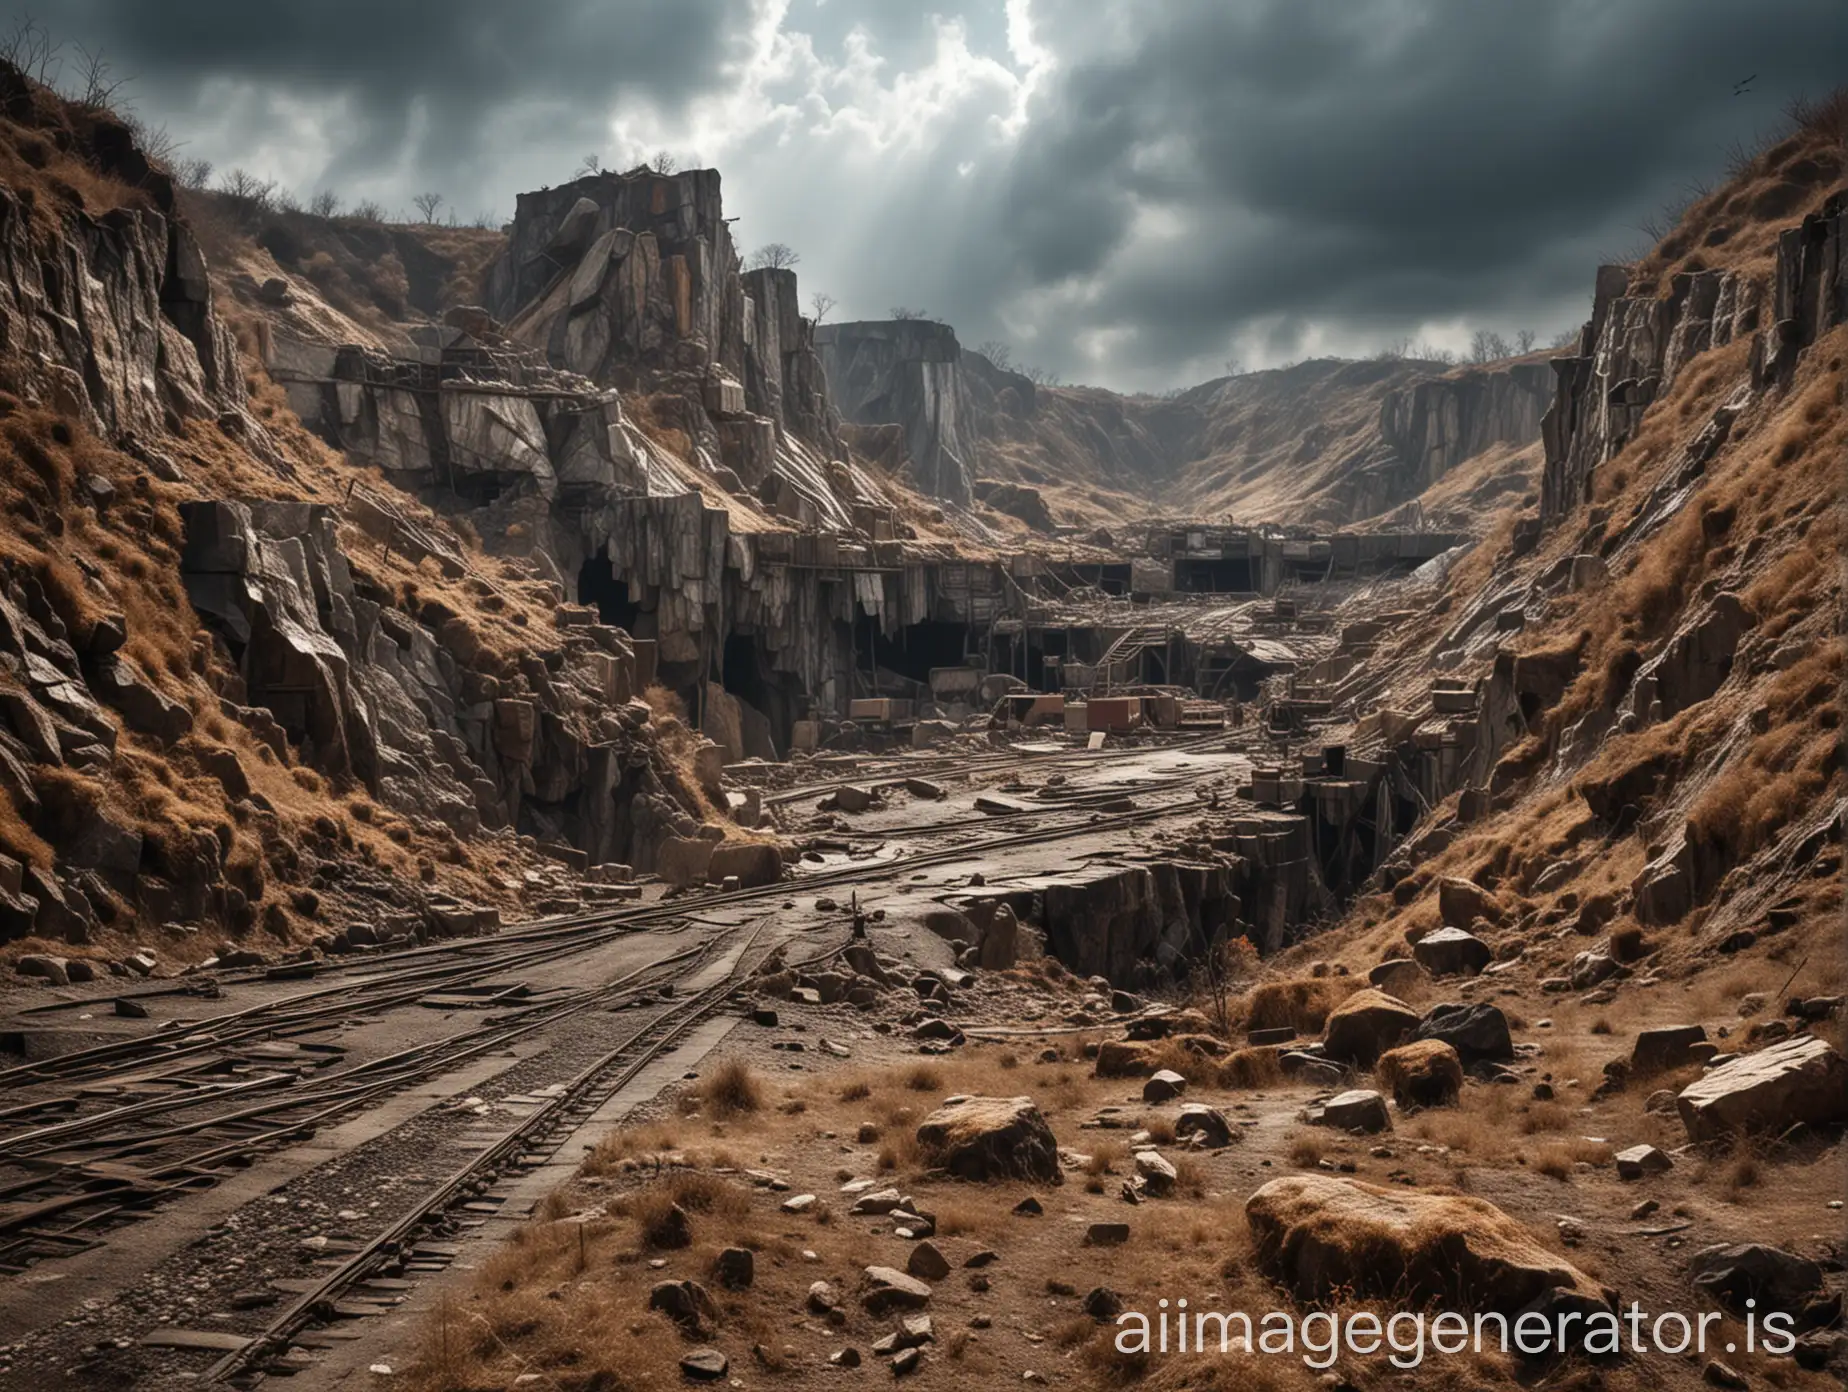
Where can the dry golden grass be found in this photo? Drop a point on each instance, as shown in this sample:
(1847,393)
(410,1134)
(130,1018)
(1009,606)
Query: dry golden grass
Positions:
(1302,1003)
(731,1090)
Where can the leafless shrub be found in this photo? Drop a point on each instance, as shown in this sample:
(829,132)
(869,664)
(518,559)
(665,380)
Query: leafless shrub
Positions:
(427,205)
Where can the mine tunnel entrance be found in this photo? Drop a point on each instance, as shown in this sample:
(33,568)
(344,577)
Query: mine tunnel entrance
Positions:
(743,673)
(597,584)
(1224,575)
(914,649)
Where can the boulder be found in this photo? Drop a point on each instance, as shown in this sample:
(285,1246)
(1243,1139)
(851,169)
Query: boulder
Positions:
(1000,940)
(1736,1272)
(1163,1086)
(683,861)
(1366,1025)
(735,1268)
(1590,968)
(1478,1032)
(1640,1160)
(991,1138)
(1327,1238)
(885,1290)
(1658,1050)
(686,1303)
(1157,1173)
(1427,1073)
(53,971)
(927,1263)
(1461,902)
(1801,1079)
(1398,974)
(1361,1109)
(1198,1119)
(1452,952)
(704,1365)
(753,863)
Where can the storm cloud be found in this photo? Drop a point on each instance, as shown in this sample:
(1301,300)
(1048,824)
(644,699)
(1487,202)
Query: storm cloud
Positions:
(1130,192)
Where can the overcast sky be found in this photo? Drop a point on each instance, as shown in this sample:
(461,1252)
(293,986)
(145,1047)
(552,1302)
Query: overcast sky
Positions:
(1130,192)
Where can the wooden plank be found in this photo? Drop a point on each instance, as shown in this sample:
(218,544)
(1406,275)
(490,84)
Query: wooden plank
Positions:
(214,1340)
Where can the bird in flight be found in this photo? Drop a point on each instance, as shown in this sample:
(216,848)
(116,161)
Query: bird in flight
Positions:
(1740,88)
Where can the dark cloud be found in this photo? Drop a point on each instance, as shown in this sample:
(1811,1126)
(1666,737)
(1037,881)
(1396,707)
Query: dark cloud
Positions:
(420,84)
(1381,164)
(1190,180)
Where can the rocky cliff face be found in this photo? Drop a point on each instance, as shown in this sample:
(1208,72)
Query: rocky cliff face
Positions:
(908,373)
(1434,426)
(1322,443)
(1623,715)
(238,686)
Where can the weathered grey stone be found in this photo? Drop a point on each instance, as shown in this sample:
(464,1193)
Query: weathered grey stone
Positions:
(1800,1080)
(1452,952)
(991,1138)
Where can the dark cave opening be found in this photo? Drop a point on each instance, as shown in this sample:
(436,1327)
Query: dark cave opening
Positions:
(743,674)
(1225,575)
(597,585)
(914,649)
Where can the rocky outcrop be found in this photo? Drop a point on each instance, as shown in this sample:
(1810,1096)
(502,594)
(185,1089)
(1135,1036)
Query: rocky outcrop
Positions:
(907,372)
(114,312)
(1809,285)
(410,705)
(1629,354)
(1434,425)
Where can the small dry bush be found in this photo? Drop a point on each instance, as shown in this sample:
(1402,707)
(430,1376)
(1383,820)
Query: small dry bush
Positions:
(1302,1004)
(732,1090)
(924,1077)
(1251,1068)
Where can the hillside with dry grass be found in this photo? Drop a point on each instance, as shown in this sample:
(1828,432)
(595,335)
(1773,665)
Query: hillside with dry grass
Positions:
(1324,443)
(148,798)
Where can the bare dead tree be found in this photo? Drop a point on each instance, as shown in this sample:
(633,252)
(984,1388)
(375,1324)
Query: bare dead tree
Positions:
(997,353)
(368,210)
(246,189)
(28,46)
(1218,976)
(97,82)
(193,173)
(820,303)
(663,162)
(590,164)
(1524,341)
(1566,338)
(427,204)
(1487,346)
(774,256)
(325,204)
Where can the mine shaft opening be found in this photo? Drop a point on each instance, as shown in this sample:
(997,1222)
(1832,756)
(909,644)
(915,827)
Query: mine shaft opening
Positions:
(914,649)
(1221,576)
(744,674)
(597,585)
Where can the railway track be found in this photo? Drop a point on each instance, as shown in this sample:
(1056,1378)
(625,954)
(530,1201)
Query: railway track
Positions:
(529,1144)
(96,1171)
(79,1161)
(543,939)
